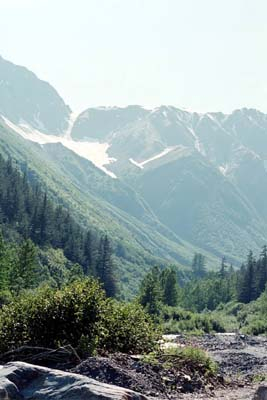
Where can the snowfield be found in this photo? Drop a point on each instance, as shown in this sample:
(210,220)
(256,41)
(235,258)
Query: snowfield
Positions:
(161,154)
(93,151)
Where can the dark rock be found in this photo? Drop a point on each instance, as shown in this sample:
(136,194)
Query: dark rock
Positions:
(261,393)
(19,381)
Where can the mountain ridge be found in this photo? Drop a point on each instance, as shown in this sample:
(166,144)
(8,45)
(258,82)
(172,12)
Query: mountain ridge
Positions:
(203,158)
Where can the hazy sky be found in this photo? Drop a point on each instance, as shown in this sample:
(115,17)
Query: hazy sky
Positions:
(203,55)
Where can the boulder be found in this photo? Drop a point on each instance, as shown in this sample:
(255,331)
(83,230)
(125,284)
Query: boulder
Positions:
(261,393)
(22,381)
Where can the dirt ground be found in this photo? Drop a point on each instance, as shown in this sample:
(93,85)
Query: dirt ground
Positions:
(242,363)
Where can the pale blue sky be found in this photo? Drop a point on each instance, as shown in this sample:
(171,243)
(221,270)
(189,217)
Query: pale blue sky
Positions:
(204,55)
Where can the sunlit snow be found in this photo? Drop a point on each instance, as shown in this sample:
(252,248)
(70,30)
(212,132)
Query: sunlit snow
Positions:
(223,169)
(162,154)
(198,145)
(139,165)
(95,152)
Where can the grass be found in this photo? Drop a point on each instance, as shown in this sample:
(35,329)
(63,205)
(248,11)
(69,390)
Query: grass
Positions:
(180,358)
(259,378)
(178,320)
(192,355)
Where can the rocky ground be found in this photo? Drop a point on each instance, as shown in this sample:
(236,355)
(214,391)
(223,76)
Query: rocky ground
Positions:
(153,379)
(242,362)
(242,368)
(239,357)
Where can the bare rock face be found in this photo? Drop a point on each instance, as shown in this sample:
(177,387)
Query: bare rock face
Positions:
(261,393)
(21,381)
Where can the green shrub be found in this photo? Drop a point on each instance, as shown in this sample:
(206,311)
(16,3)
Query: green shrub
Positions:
(257,327)
(128,329)
(5,297)
(79,315)
(195,356)
(53,318)
(177,320)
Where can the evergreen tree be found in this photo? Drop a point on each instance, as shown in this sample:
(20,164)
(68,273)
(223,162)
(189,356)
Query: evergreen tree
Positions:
(198,265)
(262,270)
(105,268)
(169,287)
(150,295)
(222,272)
(90,254)
(25,270)
(246,283)
(4,265)
(45,221)
(28,211)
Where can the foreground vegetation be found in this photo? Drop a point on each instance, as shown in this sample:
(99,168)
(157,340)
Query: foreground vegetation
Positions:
(58,287)
(80,315)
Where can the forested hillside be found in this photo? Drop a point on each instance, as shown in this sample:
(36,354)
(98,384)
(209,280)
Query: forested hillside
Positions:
(99,203)
(221,301)
(130,173)
(29,217)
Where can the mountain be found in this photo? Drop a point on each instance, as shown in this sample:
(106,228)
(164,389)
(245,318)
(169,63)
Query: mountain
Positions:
(163,183)
(203,175)
(101,203)
(26,100)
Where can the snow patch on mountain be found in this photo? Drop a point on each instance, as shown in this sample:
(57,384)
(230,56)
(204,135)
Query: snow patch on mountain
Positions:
(139,165)
(95,152)
(224,169)
(161,154)
(72,119)
(198,145)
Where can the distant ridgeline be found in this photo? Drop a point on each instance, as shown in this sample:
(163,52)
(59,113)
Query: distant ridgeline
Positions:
(27,215)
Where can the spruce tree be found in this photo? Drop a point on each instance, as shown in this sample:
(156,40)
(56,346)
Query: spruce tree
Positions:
(24,274)
(150,295)
(222,272)
(4,265)
(262,270)
(198,265)
(246,283)
(169,287)
(45,221)
(90,255)
(105,268)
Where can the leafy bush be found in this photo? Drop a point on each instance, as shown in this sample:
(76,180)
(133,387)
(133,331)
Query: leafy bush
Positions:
(128,329)
(257,327)
(178,320)
(52,318)
(79,315)
(232,308)
(5,297)
(194,355)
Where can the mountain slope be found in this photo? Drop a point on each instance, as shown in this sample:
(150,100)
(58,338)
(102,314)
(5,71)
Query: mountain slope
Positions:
(87,191)
(203,175)
(182,181)
(194,200)
(26,99)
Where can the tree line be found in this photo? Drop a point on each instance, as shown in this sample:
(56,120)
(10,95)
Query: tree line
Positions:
(204,290)
(28,215)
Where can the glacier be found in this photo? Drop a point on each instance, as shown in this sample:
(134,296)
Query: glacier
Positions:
(93,151)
